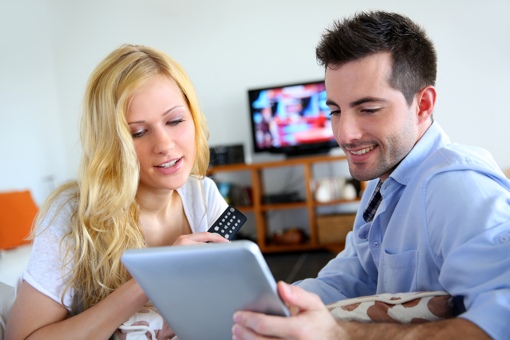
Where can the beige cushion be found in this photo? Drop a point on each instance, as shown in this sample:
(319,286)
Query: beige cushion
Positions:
(7,295)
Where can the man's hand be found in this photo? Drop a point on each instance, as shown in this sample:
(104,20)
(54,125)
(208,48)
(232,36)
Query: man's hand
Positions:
(310,319)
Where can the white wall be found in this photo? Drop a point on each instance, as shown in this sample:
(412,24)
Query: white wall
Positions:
(49,47)
(31,138)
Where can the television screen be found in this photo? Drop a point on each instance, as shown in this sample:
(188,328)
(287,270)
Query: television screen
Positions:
(292,119)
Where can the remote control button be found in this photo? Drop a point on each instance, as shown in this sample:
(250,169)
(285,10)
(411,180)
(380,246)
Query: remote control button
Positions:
(228,223)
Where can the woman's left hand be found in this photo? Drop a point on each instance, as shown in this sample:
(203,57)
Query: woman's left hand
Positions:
(197,238)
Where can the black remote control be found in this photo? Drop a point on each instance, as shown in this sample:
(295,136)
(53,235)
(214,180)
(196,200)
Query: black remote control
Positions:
(229,223)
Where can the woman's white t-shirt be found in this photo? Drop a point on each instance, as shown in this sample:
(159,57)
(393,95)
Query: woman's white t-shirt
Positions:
(48,270)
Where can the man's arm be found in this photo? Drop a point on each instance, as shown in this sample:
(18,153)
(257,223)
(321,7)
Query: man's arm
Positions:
(446,329)
(311,320)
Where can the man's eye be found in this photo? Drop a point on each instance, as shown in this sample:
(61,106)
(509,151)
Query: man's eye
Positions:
(334,112)
(370,111)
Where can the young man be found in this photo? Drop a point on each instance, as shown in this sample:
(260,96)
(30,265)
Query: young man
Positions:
(435,215)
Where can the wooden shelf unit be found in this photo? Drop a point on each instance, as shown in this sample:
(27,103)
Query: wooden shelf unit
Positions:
(259,209)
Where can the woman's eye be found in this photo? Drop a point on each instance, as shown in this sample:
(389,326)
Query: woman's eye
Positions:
(138,134)
(175,121)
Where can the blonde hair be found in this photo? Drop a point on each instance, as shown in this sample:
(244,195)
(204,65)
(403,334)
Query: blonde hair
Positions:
(106,220)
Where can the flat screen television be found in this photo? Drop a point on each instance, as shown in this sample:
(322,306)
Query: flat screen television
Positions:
(291,119)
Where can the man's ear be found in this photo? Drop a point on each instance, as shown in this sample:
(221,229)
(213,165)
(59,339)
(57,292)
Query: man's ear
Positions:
(426,101)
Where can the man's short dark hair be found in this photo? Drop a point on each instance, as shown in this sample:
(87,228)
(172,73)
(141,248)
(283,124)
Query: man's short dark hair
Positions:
(366,33)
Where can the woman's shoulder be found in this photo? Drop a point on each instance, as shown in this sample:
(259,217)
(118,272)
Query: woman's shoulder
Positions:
(194,184)
(58,209)
(64,199)
(208,183)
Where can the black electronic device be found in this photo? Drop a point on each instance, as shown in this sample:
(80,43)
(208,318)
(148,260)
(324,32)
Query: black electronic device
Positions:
(282,198)
(229,223)
(291,119)
(226,154)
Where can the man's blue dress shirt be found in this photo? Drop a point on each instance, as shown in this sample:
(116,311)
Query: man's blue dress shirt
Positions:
(443,224)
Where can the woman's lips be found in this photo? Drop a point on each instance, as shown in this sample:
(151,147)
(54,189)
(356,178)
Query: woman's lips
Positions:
(169,164)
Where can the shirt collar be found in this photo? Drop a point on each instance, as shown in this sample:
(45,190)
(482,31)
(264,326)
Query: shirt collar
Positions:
(433,139)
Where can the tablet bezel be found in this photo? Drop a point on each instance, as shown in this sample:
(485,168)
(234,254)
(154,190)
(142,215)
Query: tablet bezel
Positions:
(197,288)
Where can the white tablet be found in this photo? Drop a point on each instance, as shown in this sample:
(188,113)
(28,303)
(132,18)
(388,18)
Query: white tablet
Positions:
(198,288)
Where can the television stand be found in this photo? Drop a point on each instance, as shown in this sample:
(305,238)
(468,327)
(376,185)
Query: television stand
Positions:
(260,208)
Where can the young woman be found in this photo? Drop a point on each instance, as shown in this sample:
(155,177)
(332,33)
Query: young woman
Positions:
(141,184)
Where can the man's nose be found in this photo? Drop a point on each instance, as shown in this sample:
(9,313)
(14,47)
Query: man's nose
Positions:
(347,129)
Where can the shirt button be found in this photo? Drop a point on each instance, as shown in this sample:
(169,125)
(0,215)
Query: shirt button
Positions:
(375,244)
(504,237)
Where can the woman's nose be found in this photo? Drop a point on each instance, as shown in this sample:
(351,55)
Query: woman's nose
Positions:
(163,142)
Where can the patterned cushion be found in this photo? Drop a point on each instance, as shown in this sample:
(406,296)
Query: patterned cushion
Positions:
(415,307)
